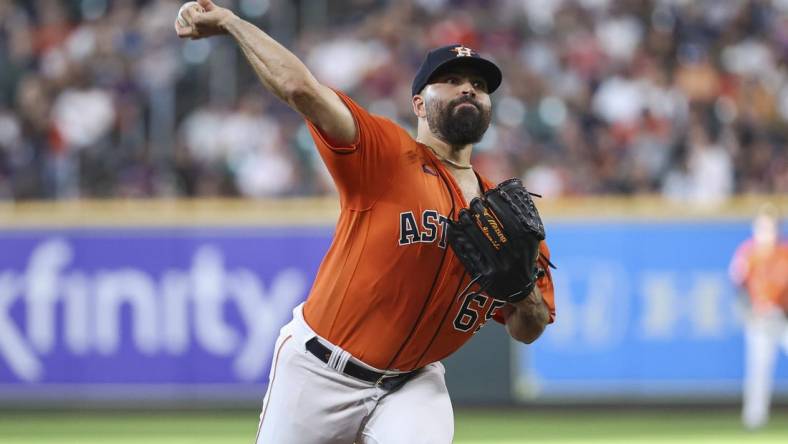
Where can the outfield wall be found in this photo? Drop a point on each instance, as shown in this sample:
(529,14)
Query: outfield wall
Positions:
(154,300)
(646,310)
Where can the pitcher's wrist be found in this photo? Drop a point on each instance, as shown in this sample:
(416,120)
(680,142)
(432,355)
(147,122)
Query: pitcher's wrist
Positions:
(230,21)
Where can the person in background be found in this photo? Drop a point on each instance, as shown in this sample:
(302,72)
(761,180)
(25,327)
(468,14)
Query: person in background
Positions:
(760,268)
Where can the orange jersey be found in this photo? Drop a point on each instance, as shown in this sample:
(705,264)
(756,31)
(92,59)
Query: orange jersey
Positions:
(763,273)
(390,290)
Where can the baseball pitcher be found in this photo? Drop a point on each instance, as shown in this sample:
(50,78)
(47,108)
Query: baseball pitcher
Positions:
(426,250)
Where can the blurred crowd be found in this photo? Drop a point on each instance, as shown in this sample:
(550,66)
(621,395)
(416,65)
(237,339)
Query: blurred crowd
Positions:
(684,98)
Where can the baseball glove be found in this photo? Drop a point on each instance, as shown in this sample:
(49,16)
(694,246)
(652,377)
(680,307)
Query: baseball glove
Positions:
(497,240)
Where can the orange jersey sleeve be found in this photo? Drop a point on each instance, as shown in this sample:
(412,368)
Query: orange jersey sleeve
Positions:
(360,170)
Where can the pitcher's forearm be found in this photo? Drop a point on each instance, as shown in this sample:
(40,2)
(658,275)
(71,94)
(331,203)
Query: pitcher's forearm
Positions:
(279,70)
(528,318)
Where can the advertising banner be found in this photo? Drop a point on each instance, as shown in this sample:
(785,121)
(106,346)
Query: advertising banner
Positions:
(125,312)
(643,310)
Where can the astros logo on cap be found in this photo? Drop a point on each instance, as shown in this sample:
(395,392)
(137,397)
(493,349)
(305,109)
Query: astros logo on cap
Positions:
(463,51)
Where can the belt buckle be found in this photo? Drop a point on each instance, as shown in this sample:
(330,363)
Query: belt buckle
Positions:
(380,380)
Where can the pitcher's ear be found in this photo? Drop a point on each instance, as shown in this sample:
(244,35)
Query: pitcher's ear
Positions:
(419,106)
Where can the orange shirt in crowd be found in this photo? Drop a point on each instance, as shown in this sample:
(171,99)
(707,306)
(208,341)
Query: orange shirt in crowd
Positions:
(390,290)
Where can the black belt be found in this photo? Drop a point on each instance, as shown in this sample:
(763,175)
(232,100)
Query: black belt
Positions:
(388,382)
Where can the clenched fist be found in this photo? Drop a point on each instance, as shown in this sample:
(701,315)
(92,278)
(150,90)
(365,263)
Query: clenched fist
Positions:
(202,19)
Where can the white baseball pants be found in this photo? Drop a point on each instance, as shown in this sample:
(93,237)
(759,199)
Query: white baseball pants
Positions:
(764,335)
(309,402)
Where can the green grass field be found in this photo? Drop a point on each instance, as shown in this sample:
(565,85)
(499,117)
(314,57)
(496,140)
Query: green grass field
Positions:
(510,426)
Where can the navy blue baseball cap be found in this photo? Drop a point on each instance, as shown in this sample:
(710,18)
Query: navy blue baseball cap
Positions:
(445,57)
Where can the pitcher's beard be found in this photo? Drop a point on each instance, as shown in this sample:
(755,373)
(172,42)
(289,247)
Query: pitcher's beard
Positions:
(458,126)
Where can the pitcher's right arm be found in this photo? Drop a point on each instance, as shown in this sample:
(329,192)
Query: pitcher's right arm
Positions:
(278,69)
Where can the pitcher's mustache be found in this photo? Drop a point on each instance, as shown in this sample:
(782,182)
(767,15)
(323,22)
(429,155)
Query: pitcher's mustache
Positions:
(454,103)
